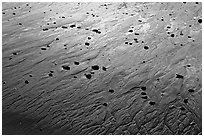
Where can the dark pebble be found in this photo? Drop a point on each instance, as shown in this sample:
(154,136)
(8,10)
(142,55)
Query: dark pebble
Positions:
(191,90)
(88,76)
(95,67)
(26,82)
(143,93)
(111,90)
(76,62)
(185,100)
(199,20)
(65,67)
(152,103)
(145,97)
(143,88)
(179,76)
(104,68)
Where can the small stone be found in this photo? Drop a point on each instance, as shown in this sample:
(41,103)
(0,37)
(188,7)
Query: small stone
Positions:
(14,53)
(179,76)
(104,68)
(76,63)
(152,103)
(105,104)
(182,108)
(111,90)
(64,27)
(145,97)
(146,47)
(143,88)
(92,72)
(130,31)
(88,76)
(143,93)
(185,100)
(45,29)
(65,67)
(26,82)
(136,40)
(191,90)
(199,20)
(72,26)
(43,48)
(87,44)
(95,67)
(172,35)
(188,65)
(96,31)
